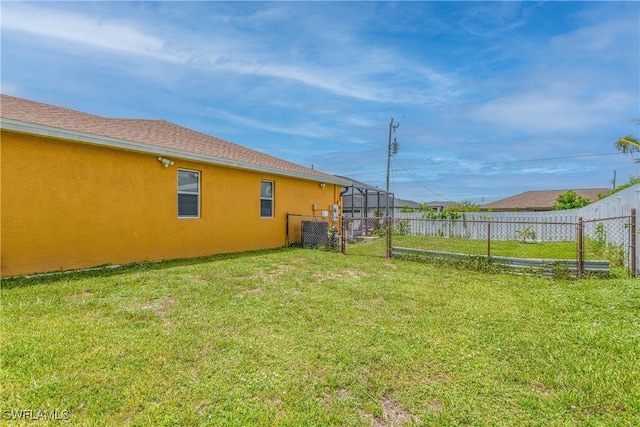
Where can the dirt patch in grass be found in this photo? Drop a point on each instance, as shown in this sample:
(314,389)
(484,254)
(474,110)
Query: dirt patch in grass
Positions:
(270,277)
(542,389)
(81,297)
(343,394)
(339,395)
(393,415)
(435,405)
(159,306)
(390,265)
(249,293)
(339,274)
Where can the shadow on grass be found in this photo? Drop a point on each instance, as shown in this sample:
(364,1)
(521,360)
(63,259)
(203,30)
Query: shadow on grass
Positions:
(116,270)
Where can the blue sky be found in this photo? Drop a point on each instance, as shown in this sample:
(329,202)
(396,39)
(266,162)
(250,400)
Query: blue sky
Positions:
(493,98)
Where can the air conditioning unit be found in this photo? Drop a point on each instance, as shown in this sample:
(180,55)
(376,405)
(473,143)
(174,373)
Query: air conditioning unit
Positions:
(315,234)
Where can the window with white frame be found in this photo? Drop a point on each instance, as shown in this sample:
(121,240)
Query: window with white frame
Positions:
(188,194)
(266,199)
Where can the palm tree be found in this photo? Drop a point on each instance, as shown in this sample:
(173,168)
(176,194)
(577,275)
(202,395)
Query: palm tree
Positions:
(629,144)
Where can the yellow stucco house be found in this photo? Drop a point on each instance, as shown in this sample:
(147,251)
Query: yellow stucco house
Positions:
(79,190)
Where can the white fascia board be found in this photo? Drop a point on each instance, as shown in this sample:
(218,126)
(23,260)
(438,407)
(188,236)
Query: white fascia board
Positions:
(122,144)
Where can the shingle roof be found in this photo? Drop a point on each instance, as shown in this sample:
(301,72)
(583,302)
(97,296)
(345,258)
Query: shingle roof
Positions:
(400,203)
(158,133)
(361,185)
(541,200)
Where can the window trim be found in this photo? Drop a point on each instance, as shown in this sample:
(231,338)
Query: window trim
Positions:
(197,194)
(271,199)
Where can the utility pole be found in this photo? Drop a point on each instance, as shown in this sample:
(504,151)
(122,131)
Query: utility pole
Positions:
(392,149)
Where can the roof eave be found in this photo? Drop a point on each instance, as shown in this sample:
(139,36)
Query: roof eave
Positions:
(122,144)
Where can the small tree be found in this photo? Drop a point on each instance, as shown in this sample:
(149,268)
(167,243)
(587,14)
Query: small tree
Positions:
(526,233)
(465,206)
(570,200)
(403,227)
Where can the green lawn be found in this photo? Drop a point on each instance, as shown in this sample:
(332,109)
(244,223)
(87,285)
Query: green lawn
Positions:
(311,338)
(508,248)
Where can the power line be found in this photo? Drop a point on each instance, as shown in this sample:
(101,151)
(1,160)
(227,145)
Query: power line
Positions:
(505,162)
(415,180)
(550,158)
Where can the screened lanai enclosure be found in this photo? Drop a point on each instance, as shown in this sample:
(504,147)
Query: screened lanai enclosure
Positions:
(364,208)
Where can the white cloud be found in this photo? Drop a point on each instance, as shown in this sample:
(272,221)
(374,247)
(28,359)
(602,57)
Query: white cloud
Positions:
(85,30)
(494,18)
(420,87)
(308,76)
(608,37)
(581,80)
(378,75)
(547,110)
(307,130)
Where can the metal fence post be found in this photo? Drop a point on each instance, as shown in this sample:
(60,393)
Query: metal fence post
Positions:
(579,269)
(488,240)
(343,231)
(389,223)
(287,232)
(632,244)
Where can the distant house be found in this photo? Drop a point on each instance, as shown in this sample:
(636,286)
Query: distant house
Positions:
(542,200)
(79,190)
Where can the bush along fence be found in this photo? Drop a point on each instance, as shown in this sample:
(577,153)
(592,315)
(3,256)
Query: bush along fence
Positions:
(569,248)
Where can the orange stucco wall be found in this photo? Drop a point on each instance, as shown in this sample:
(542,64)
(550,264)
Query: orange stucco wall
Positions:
(66,205)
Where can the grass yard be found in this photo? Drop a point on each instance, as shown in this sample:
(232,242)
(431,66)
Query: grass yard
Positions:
(509,248)
(303,337)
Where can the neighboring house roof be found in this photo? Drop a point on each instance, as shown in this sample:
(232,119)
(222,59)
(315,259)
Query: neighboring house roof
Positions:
(401,203)
(361,185)
(149,136)
(542,200)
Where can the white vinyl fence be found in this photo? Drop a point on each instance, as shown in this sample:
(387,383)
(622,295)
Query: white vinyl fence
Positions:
(604,218)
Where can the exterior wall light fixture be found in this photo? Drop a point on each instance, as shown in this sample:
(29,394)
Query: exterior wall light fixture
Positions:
(165,162)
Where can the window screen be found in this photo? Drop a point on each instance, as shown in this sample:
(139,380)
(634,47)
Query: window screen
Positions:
(266,199)
(188,194)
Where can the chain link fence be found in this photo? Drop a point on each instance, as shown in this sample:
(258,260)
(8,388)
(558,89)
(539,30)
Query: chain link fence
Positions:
(365,236)
(611,239)
(490,238)
(601,247)
(562,249)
